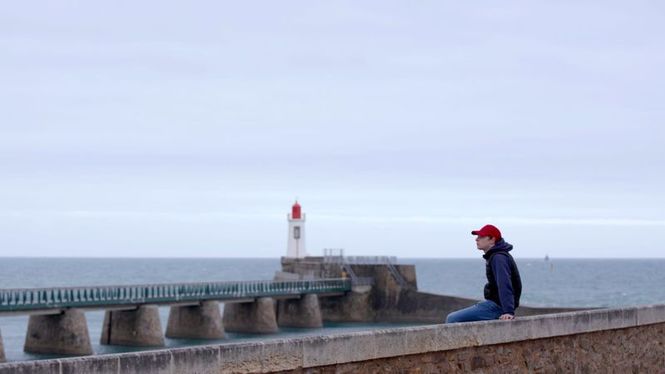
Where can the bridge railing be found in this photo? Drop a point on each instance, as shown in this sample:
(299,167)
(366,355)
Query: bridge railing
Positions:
(98,296)
(360,260)
(346,261)
(371,260)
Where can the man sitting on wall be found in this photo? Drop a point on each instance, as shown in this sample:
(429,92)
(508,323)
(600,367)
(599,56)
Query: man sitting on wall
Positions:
(504,285)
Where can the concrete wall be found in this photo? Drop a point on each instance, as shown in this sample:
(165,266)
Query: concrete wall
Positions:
(387,301)
(311,267)
(633,350)
(605,340)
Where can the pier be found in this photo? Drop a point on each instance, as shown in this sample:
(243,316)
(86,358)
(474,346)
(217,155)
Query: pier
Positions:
(57,323)
(305,293)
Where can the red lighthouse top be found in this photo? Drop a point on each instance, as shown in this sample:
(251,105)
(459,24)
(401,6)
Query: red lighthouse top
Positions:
(295,211)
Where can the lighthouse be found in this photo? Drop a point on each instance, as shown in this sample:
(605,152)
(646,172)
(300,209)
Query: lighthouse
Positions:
(296,240)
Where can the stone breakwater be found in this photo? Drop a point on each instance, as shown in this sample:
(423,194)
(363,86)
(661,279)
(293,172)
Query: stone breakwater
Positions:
(620,340)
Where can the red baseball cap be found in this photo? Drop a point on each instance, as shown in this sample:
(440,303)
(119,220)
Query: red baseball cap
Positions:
(488,230)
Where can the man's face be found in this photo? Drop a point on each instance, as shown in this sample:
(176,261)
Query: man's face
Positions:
(484,243)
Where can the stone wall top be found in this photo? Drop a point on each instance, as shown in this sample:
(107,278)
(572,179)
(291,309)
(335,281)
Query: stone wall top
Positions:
(292,353)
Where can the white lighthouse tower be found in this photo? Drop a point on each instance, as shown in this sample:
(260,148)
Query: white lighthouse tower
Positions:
(296,241)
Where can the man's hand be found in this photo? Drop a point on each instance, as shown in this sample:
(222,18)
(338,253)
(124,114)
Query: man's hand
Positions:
(507,316)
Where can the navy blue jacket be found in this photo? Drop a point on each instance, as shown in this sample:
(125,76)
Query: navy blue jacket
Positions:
(504,285)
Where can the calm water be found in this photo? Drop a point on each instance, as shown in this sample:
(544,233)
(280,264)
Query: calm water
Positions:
(559,282)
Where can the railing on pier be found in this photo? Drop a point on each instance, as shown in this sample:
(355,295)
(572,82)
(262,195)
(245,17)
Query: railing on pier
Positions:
(330,257)
(98,296)
(336,256)
(371,260)
(397,275)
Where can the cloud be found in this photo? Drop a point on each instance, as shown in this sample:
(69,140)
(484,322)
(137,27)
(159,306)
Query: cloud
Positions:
(212,215)
(380,113)
(504,220)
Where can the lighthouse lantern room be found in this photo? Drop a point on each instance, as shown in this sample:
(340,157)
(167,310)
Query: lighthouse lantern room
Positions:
(296,240)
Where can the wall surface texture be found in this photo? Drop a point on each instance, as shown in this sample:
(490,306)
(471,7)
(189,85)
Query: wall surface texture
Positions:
(630,350)
(604,340)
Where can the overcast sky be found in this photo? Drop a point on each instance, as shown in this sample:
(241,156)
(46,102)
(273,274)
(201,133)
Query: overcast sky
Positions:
(188,129)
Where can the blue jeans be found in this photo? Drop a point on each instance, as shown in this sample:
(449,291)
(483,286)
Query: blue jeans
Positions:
(483,311)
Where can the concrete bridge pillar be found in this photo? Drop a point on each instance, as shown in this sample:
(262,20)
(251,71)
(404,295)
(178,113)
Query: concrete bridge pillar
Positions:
(140,327)
(202,321)
(65,333)
(254,317)
(303,312)
(2,350)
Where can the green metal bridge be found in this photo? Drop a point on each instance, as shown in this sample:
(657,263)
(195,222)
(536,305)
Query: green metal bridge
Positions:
(29,300)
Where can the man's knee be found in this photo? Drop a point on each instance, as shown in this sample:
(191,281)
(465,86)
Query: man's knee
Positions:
(452,317)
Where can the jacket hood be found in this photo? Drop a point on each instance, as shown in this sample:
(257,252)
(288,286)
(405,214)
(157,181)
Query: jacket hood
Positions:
(501,245)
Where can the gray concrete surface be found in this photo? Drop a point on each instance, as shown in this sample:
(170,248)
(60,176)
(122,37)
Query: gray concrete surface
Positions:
(305,352)
(65,333)
(303,312)
(256,317)
(195,322)
(141,327)
(387,301)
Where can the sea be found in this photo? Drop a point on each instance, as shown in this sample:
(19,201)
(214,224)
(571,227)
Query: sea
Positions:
(552,282)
